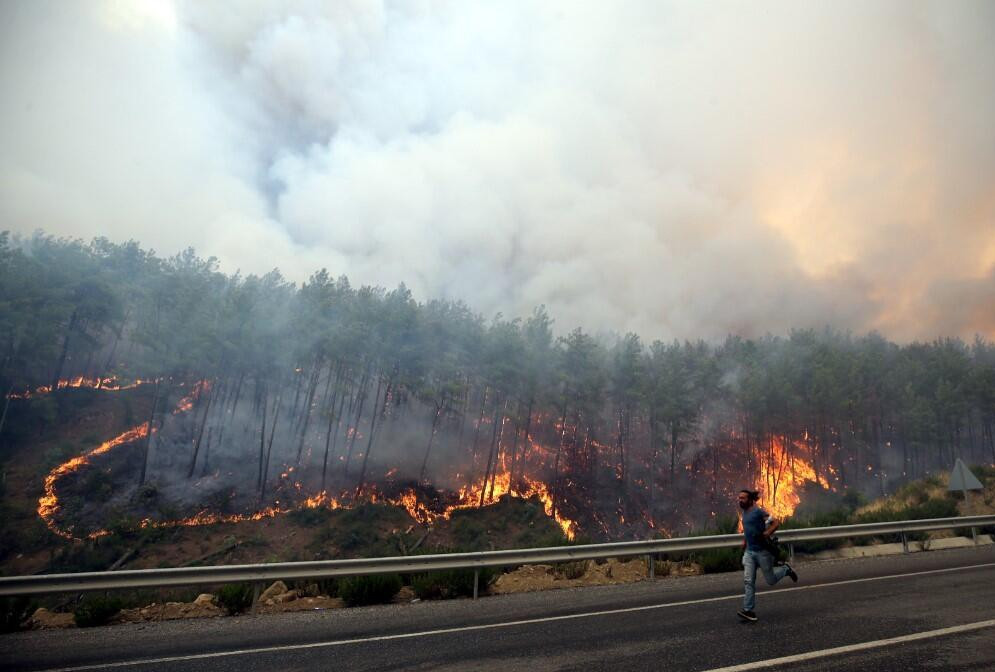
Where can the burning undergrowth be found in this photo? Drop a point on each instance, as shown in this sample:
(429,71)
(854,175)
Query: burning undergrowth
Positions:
(210,459)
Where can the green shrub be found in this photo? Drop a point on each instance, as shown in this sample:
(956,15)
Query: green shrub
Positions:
(719,560)
(92,556)
(310,517)
(468,533)
(58,454)
(715,560)
(235,598)
(96,610)
(358,591)
(14,613)
(945,507)
(984,472)
(832,518)
(450,583)
(329,586)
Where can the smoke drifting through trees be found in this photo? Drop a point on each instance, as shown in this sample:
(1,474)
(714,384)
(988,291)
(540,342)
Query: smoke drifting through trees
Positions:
(272,393)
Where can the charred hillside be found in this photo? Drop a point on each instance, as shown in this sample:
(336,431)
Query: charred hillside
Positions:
(261,397)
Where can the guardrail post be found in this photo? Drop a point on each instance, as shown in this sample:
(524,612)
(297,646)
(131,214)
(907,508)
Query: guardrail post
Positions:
(476,581)
(791,552)
(905,543)
(651,559)
(974,535)
(256,590)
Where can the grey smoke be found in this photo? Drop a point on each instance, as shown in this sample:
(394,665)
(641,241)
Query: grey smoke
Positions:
(674,169)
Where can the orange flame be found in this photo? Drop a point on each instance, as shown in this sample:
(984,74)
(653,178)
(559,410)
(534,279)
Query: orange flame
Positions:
(782,472)
(469,497)
(48,504)
(109,384)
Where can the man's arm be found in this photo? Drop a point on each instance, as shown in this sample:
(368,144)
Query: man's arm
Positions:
(772,527)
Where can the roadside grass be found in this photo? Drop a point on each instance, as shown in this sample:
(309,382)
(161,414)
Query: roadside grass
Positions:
(94,610)
(357,591)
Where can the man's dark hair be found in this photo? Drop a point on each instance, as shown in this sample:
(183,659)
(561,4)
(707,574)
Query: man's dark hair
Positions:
(754,495)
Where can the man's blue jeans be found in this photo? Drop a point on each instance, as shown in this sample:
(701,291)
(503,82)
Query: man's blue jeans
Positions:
(772,574)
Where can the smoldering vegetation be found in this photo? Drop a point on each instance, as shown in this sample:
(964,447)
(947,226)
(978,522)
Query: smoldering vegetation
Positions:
(266,396)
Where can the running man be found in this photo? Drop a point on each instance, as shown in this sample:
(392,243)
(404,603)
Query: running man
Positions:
(758,527)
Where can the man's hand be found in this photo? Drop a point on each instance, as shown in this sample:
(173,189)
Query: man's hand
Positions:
(772,527)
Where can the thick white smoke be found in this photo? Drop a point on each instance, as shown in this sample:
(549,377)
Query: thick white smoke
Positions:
(671,168)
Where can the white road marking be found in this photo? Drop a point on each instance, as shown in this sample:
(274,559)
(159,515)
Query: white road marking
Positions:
(507,624)
(850,648)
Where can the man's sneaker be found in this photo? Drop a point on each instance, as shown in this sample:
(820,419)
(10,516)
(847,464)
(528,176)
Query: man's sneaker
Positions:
(791,573)
(747,615)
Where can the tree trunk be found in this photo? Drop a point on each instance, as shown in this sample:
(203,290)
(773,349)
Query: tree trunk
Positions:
(220,446)
(490,452)
(200,433)
(652,471)
(556,462)
(480,420)
(369,441)
(117,339)
(335,439)
(207,450)
(269,446)
(673,451)
(238,392)
(148,434)
(307,417)
(497,451)
(359,416)
(297,393)
(308,400)
(6,405)
(462,417)
(328,385)
(512,483)
(65,351)
(262,443)
(431,437)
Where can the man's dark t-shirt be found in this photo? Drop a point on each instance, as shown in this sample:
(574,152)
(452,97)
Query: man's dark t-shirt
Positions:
(754,524)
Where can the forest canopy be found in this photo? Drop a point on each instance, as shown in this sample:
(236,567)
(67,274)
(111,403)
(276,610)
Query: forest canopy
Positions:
(628,428)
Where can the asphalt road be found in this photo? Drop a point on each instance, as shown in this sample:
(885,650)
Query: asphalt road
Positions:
(924,611)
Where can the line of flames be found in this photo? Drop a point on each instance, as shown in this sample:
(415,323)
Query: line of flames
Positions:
(109,384)
(780,475)
(48,503)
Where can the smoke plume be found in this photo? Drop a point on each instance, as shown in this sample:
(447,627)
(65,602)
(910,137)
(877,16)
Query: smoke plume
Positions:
(674,169)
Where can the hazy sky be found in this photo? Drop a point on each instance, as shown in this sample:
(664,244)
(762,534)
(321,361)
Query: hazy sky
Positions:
(678,169)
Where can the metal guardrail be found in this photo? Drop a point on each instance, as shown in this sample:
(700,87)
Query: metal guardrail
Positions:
(193,576)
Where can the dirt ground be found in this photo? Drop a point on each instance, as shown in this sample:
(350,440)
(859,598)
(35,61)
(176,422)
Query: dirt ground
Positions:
(529,578)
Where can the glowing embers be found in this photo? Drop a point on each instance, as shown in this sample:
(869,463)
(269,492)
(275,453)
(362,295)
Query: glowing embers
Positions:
(186,403)
(205,517)
(108,384)
(782,472)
